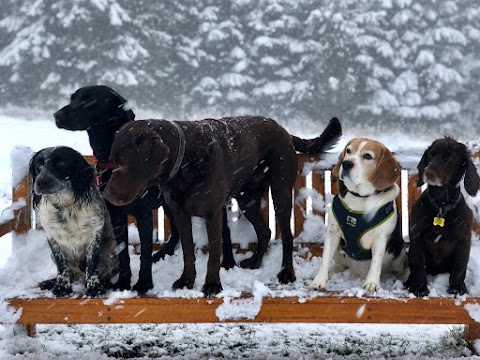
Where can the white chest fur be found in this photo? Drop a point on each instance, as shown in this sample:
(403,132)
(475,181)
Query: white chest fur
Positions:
(73,227)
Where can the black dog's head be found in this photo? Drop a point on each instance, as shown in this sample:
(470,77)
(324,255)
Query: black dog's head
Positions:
(445,162)
(59,170)
(98,109)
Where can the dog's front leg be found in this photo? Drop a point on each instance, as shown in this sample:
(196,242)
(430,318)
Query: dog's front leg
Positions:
(214,231)
(459,268)
(228,261)
(417,280)
(184,225)
(92,281)
(120,228)
(145,230)
(379,247)
(329,247)
(61,285)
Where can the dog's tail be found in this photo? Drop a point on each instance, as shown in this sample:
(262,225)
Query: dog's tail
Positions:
(321,144)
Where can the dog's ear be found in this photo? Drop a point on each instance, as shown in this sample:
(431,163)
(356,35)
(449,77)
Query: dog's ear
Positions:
(122,104)
(33,173)
(82,180)
(471,179)
(336,168)
(130,115)
(153,151)
(386,172)
(421,167)
(32,169)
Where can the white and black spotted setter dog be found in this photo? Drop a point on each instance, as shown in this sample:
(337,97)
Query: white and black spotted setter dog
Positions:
(76,220)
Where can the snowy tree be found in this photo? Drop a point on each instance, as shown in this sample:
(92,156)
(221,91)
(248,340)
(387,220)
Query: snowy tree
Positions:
(387,62)
(84,42)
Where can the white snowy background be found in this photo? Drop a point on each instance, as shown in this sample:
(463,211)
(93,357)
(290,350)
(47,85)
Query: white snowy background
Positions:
(401,71)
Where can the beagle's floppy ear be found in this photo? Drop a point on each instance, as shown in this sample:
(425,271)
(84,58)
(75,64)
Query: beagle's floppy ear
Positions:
(471,179)
(386,172)
(336,168)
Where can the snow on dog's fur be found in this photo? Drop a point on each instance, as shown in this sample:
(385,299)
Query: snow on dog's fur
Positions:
(367,173)
(75,218)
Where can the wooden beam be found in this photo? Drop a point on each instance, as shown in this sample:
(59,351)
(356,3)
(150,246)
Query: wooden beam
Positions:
(8,226)
(330,309)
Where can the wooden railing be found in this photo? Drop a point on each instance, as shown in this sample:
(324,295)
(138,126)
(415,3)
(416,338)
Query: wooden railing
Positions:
(329,307)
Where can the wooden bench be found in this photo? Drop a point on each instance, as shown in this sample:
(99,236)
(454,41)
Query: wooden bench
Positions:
(330,307)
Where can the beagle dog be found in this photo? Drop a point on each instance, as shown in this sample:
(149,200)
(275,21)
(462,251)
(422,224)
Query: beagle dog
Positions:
(363,224)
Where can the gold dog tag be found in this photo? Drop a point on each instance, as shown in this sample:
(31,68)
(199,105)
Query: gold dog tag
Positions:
(440,221)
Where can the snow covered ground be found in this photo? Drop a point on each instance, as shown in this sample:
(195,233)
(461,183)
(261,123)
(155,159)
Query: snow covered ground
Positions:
(30,263)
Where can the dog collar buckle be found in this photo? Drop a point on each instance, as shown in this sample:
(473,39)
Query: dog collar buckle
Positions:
(439,220)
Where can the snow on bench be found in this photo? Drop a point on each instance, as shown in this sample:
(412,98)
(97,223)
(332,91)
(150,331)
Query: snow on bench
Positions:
(248,295)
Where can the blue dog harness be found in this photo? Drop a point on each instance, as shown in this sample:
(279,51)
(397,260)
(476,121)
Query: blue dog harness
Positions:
(354,224)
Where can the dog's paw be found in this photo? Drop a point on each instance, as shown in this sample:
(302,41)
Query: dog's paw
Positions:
(184,282)
(371,286)
(59,286)
(419,290)
(123,283)
(143,286)
(47,284)
(457,289)
(95,290)
(252,263)
(211,289)
(228,263)
(319,282)
(286,276)
(94,286)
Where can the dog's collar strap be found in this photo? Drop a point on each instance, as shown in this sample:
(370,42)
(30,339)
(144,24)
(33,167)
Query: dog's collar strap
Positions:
(180,152)
(376,192)
(444,207)
(354,224)
(102,168)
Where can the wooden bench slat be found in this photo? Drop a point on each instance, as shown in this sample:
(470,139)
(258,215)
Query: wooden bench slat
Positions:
(273,310)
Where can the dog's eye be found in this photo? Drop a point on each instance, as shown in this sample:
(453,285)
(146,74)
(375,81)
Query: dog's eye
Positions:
(367,157)
(348,151)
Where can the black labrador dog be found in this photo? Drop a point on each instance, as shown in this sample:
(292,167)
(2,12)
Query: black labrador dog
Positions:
(441,221)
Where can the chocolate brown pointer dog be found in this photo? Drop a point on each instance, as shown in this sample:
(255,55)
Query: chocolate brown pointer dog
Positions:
(199,165)
(441,221)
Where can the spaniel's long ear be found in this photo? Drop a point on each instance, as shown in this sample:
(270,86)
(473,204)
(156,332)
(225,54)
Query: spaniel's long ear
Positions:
(32,170)
(336,168)
(33,173)
(82,180)
(471,180)
(386,172)
(421,167)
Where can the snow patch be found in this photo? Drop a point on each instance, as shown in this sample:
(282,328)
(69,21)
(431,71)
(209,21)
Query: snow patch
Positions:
(243,309)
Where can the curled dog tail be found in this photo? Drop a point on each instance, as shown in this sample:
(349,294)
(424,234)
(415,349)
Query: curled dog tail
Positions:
(322,143)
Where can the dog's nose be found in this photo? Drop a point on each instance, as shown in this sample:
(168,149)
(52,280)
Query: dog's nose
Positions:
(347,165)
